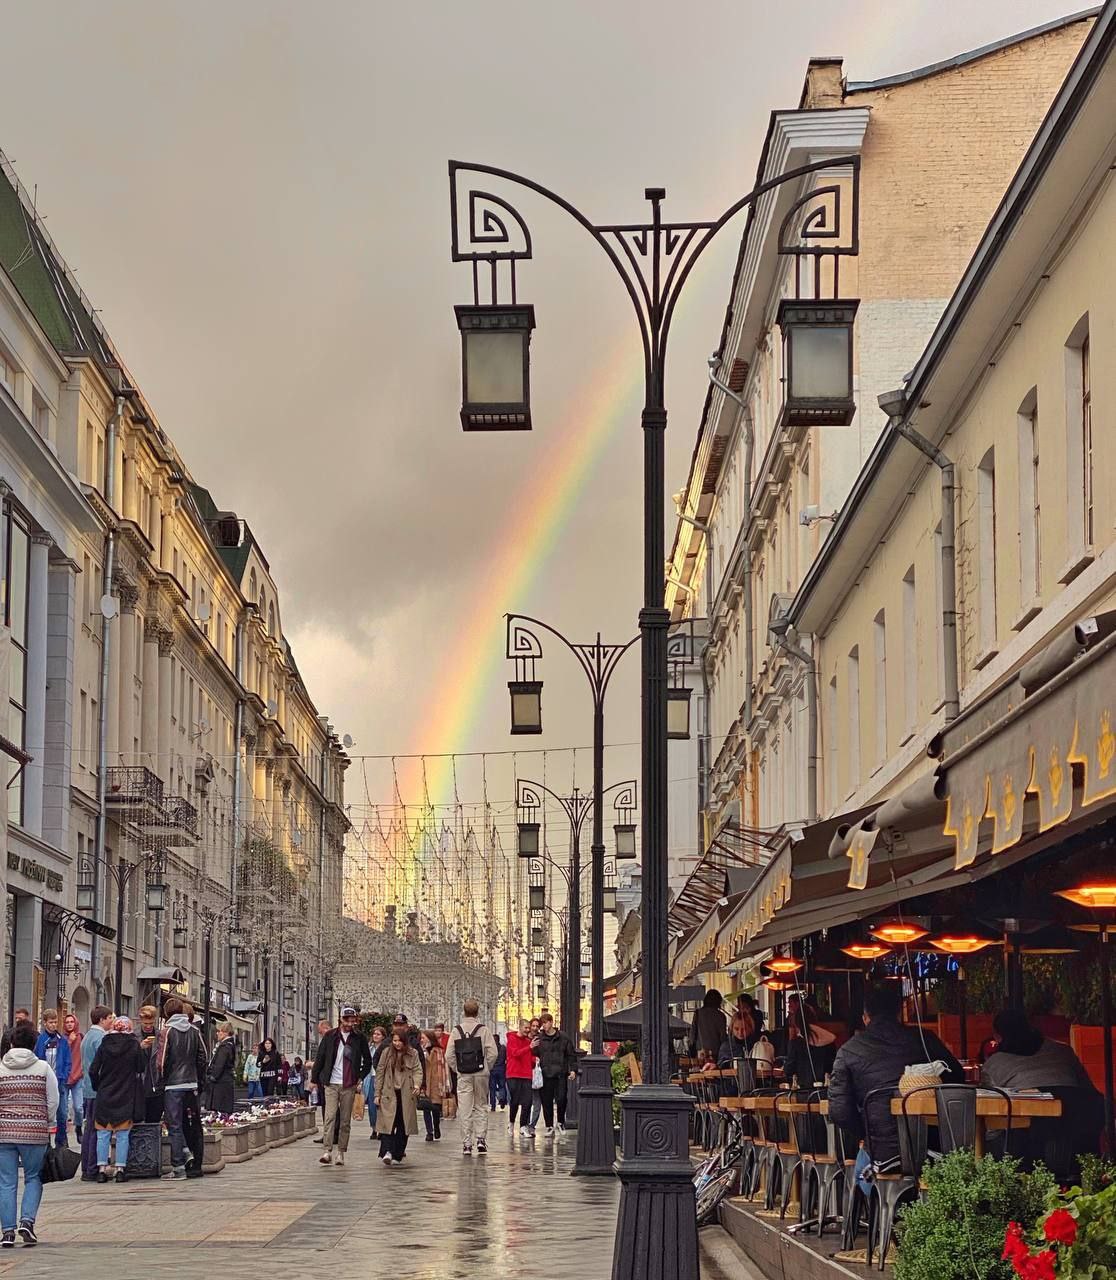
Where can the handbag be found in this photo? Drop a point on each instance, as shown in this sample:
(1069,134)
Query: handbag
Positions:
(423,1103)
(536,1077)
(60,1164)
(763,1054)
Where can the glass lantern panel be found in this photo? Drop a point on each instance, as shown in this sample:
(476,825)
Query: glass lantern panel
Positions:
(494,368)
(527,710)
(819,363)
(678,717)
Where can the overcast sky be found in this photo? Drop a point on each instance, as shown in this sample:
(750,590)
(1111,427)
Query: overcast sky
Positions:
(255,195)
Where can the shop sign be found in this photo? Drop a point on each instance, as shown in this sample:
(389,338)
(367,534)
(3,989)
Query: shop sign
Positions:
(35,871)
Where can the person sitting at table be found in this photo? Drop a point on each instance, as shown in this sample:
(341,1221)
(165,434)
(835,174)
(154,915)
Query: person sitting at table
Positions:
(738,1043)
(810,1046)
(876,1059)
(1026,1059)
(710,1026)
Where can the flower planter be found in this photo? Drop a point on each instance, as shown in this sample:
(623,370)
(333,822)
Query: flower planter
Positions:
(213,1159)
(1088,1044)
(286,1127)
(257,1137)
(235,1146)
(274,1127)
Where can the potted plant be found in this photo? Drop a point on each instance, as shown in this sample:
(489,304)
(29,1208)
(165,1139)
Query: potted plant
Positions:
(1073,1239)
(957,1231)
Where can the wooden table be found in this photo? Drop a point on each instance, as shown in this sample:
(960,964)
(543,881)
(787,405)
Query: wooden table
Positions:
(990,1108)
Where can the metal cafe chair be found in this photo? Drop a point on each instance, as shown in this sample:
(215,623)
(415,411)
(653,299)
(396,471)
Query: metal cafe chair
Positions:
(823,1163)
(788,1151)
(765,1144)
(894,1181)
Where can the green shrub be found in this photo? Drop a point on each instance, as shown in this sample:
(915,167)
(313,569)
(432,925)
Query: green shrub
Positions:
(621,1080)
(957,1231)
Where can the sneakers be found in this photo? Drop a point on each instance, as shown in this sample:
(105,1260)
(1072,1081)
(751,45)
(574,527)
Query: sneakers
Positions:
(482,1147)
(7,1240)
(429,1137)
(550,1131)
(437,1137)
(339,1158)
(176,1174)
(102,1176)
(466,1148)
(325,1158)
(27,1232)
(386,1159)
(529,1131)
(120,1176)
(561,1127)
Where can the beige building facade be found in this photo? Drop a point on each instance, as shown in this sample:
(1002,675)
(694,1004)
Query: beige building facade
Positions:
(936,149)
(175,741)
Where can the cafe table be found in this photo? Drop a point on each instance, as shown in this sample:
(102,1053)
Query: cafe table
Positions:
(991,1110)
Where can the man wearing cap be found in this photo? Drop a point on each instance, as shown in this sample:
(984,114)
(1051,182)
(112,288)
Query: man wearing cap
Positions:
(342,1062)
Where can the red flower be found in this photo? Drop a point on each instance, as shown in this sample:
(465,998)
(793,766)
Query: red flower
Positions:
(1060,1227)
(1039,1266)
(1015,1247)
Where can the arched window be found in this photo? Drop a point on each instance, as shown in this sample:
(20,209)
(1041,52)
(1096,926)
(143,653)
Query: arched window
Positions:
(252,586)
(271,619)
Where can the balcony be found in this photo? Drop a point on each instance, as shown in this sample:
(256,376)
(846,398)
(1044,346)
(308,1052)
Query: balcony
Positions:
(134,792)
(176,825)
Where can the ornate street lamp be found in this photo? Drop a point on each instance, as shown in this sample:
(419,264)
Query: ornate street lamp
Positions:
(538,936)
(156,892)
(179,938)
(818,359)
(678,712)
(536,897)
(625,836)
(288,969)
(526,706)
(86,898)
(609,905)
(242,971)
(527,839)
(495,367)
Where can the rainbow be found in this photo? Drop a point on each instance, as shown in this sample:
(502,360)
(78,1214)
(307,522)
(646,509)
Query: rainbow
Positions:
(523,546)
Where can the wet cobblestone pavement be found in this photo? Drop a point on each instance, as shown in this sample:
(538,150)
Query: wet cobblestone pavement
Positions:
(513,1213)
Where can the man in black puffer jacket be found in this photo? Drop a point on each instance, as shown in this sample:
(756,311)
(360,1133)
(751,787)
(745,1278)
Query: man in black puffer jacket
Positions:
(876,1059)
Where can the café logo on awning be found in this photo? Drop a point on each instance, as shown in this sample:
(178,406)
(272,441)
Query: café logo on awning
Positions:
(35,871)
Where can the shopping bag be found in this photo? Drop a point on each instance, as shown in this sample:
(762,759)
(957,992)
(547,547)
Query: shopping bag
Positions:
(60,1164)
(358,1105)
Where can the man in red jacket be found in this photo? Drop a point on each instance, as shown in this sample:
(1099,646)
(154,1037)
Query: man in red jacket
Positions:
(520,1064)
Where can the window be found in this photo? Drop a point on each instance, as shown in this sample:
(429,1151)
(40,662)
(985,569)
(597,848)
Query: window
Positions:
(986,553)
(271,619)
(831,756)
(40,415)
(1030,539)
(83,732)
(910,653)
(13,599)
(853,696)
(9,372)
(252,587)
(90,454)
(1079,451)
(879,643)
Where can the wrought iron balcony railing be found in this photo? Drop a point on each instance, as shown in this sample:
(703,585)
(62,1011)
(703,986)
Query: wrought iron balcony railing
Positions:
(133,785)
(182,816)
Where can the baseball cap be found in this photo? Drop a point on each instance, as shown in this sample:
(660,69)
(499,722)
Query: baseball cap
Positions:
(400,1020)
(348,1011)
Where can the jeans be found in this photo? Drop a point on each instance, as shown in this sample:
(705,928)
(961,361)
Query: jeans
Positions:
(433,1117)
(76,1095)
(863,1164)
(497,1090)
(175,1102)
(12,1155)
(520,1100)
(123,1139)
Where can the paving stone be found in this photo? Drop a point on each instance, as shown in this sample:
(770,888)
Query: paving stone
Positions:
(513,1214)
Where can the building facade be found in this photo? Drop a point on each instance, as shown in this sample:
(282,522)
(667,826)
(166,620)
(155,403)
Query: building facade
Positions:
(176,743)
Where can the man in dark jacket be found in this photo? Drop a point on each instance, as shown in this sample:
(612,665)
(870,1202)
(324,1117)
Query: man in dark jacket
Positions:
(558,1061)
(342,1062)
(876,1059)
(710,1027)
(180,1067)
(222,1071)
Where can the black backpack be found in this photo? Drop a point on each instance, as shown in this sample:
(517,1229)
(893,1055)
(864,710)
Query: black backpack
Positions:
(469,1052)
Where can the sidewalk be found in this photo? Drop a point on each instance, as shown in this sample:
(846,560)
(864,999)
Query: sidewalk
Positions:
(513,1213)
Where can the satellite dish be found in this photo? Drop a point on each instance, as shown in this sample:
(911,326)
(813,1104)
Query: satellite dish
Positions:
(110,607)
(203,612)
(347,741)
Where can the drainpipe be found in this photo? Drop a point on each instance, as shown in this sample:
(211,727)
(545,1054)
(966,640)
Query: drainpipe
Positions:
(705,750)
(749,446)
(102,710)
(894,404)
(793,650)
(238,784)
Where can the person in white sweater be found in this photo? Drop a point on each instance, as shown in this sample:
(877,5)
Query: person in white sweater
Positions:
(28,1110)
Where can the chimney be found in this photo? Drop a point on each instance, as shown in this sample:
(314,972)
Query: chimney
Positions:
(389,920)
(824,86)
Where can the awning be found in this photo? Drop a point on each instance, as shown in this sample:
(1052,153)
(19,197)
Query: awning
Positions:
(245,1025)
(627,1024)
(161,973)
(246,1006)
(695,953)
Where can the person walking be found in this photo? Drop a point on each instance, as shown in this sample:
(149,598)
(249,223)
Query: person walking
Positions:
(252,1073)
(28,1106)
(100,1020)
(435,1085)
(54,1049)
(295,1079)
(222,1072)
(368,1087)
(342,1062)
(116,1072)
(520,1062)
(558,1062)
(72,1086)
(269,1067)
(180,1065)
(398,1085)
(284,1076)
(472,1054)
(497,1079)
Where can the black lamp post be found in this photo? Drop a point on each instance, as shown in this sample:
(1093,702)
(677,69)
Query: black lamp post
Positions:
(121,873)
(657,1228)
(596,1147)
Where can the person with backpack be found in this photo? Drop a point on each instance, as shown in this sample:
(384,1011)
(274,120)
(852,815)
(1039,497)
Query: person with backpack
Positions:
(472,1054)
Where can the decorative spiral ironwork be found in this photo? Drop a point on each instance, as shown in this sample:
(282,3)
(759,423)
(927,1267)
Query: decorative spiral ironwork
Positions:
(626,797)
(523,643)
(527,795)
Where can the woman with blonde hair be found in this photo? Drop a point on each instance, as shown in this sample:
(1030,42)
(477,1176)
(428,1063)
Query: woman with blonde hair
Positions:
(398,1084)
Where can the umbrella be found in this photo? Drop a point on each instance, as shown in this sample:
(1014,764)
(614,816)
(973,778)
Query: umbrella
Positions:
(627,1024)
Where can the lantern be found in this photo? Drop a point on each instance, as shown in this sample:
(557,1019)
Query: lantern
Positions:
(156,895)
(817,361)
(86,899)
(678,712)
(625,834)
(536,895)
(526,706)
(242,971)
(495,367)
(609,900)
(527,840)
(179,939)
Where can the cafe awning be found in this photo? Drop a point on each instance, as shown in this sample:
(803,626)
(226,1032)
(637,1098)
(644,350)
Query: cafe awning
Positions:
(161,973)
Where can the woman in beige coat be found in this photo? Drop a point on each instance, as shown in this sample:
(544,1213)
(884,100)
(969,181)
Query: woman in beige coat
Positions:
(398,1084)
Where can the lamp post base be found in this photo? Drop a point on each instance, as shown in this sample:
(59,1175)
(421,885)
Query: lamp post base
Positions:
(596,1141)
(656,1231)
